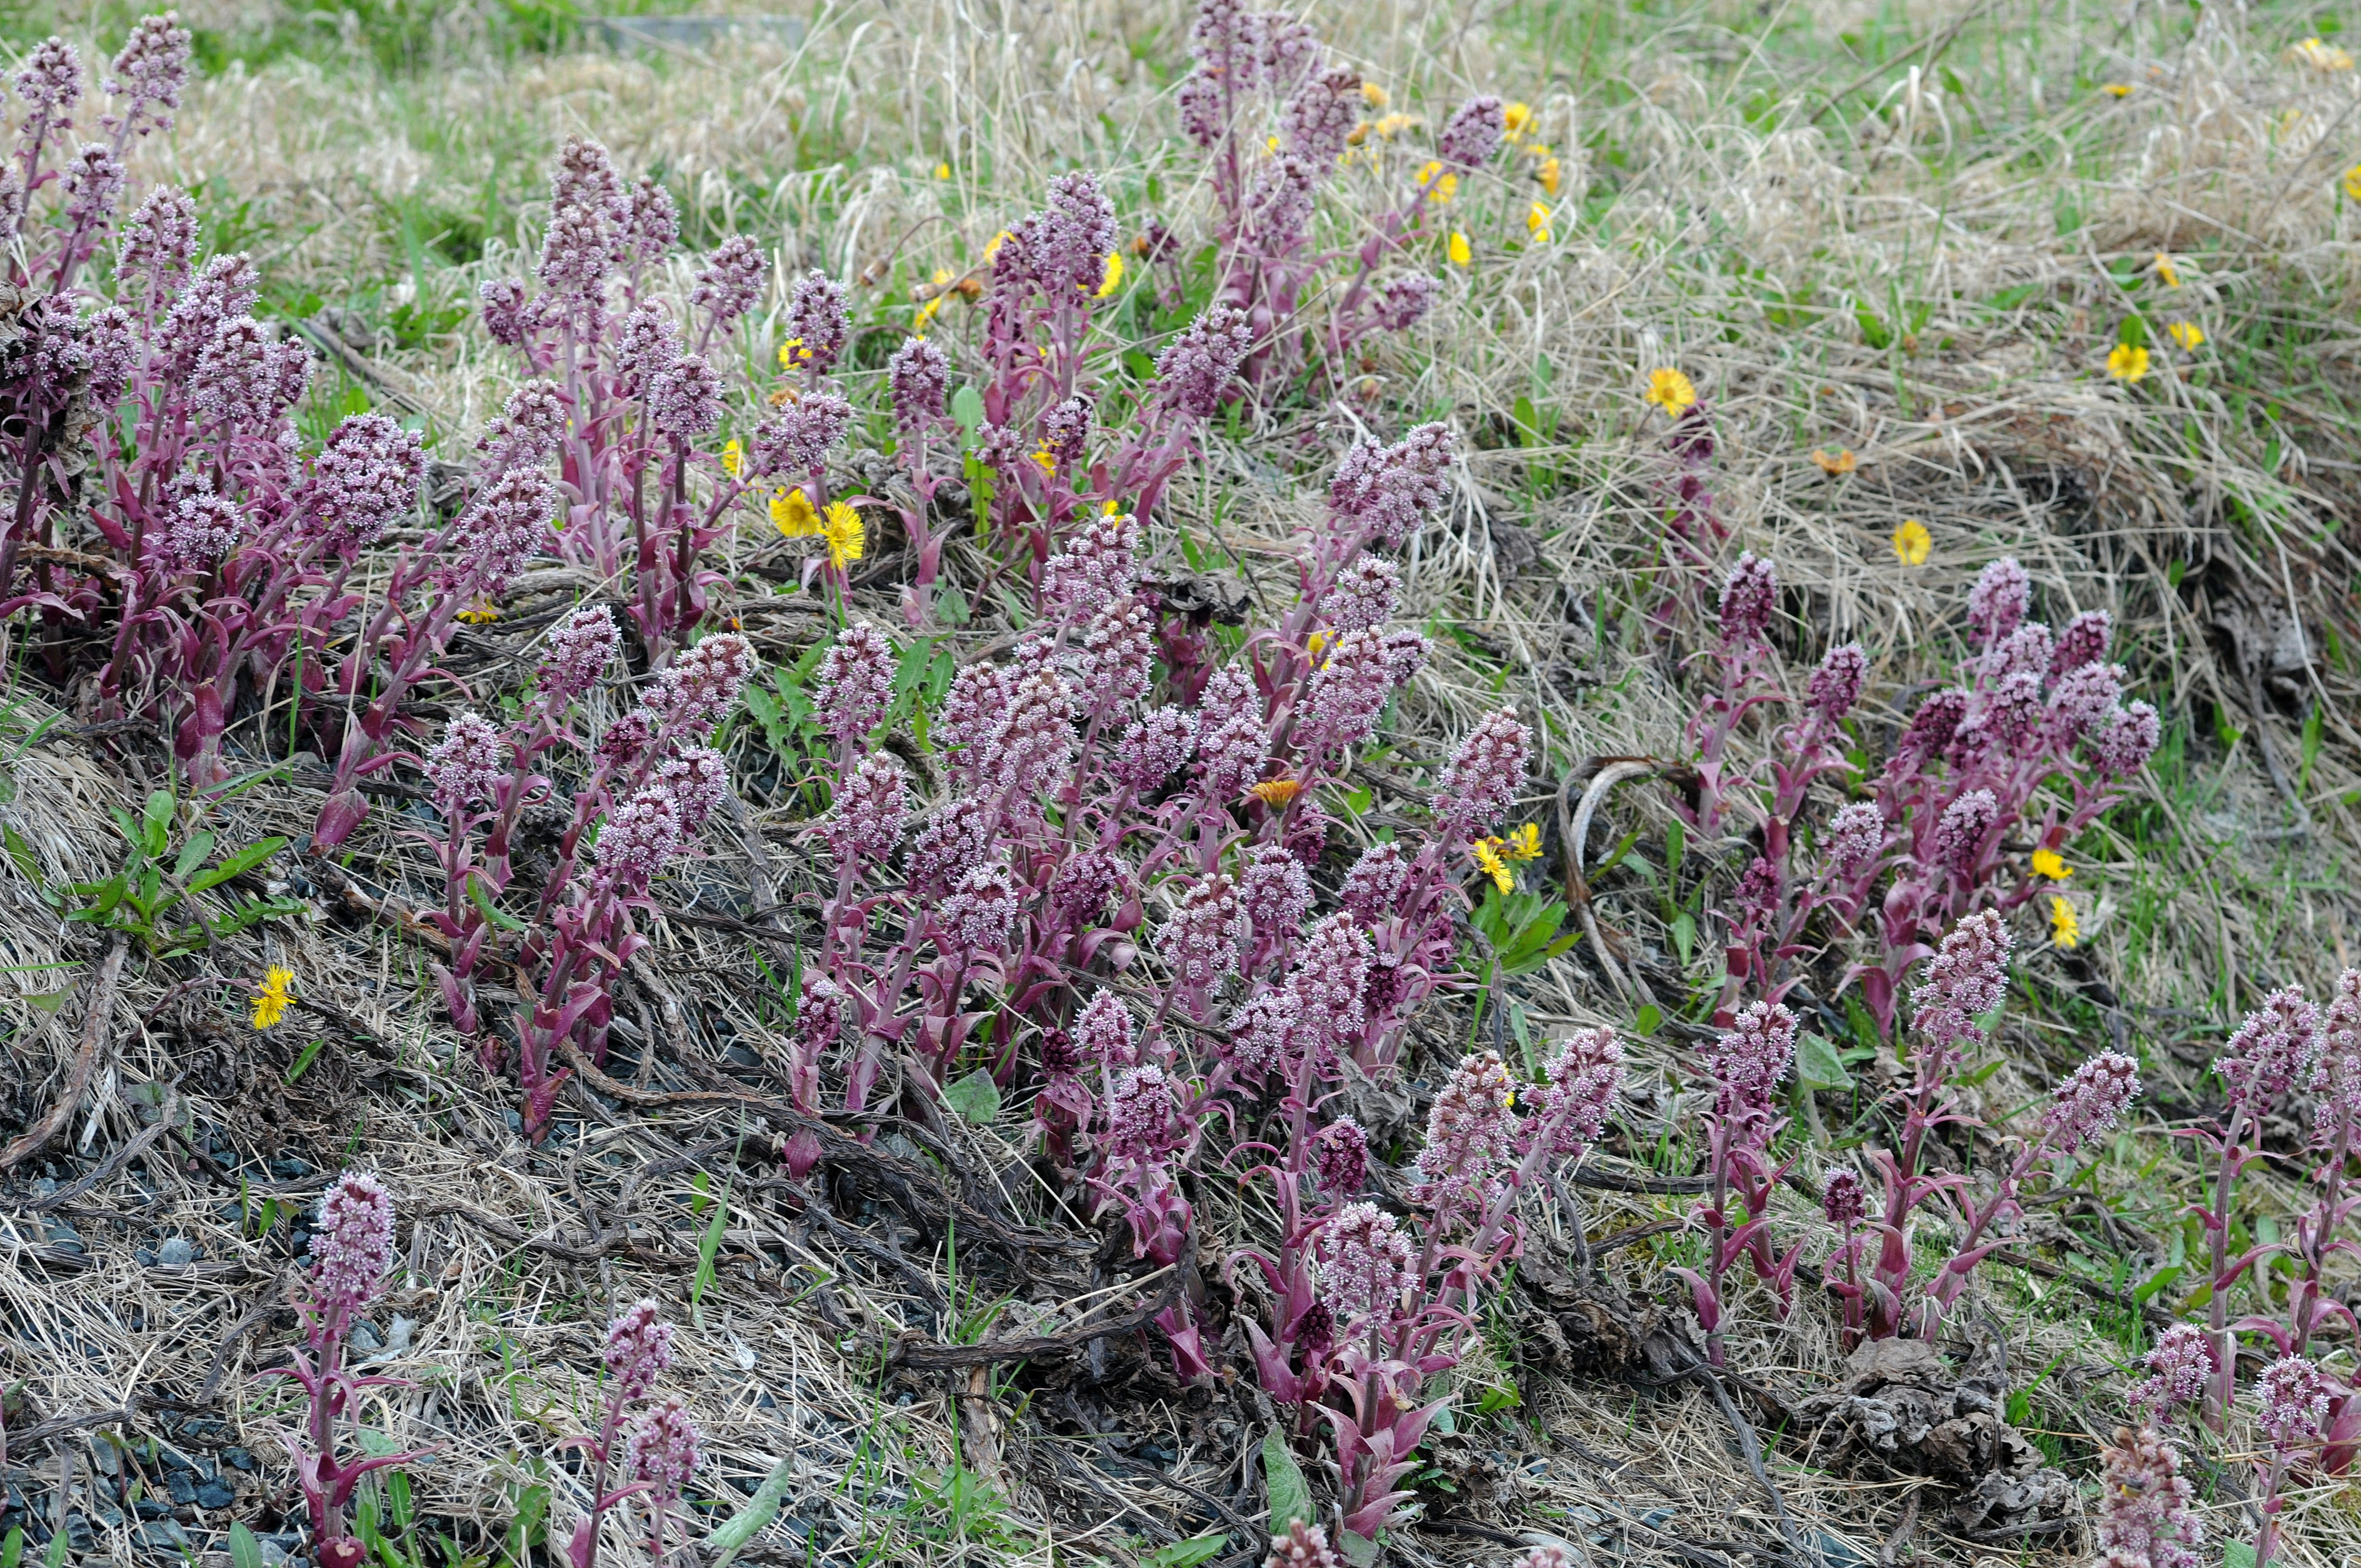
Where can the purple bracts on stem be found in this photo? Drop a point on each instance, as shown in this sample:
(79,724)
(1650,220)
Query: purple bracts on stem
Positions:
(581,647)
(2273,1048)
(2145,1520)
(466,764)
(1470,1135)
(2087,1104)
(352,1242)
(919,376)
(1154,746)
(637,1349)
(730,280)
(1996,605)
(1482,779)
(854,684)
(1472,134)
(1366,1264)
(815,322)
(1836,683)
(1195,368)
(1749,595)
(864,821)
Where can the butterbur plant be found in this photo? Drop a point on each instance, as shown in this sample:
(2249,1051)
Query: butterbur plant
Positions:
(2146,1516)
(1745,1066)
(352,1258)
(651,1454)
(2291,1400)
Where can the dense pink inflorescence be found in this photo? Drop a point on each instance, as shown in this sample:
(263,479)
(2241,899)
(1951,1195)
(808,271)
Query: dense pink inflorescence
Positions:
(2146,1518)
(352,1242)
(2270,1052)
(2179,1365)
(637,1349)
(2087,1104)
(1470,1133)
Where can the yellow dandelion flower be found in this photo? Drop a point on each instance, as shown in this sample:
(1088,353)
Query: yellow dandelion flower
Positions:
(1277,793)
(1525,843)
(1515,119)
(2352,182)
(1833,464)
(793,352)
(991,247)
(1548,172)
(1375,96)
(2322,56)
(1461,254)
(794,514)
(2189,335)
(844,533)
(1391,125)
(1113,278)
(2167,271)
(733,458)
(1044,456)
(1912,543)
(1356,135)
(271,1001)
(2064,929)
(2051,864)
(926,314)
(1439,183)
(1313,644)
(480,614)
(942,171)
(1537,223)
(2127,362)
(1488,859)
(1271,143)
(1671,391)
(2117,89)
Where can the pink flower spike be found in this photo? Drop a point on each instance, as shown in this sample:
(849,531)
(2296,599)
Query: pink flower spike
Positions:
(352,1244)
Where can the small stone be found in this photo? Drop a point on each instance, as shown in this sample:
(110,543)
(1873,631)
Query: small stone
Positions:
(215,1495)
(238,1459)
(181,1486)
(178,1251)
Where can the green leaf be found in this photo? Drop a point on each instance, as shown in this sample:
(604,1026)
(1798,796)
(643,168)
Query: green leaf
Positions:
(1359,1552)
(47,1000)
(192,854)
(1817,1066)
(1291,1497)
(950,603)
(752,1520)
(2237,1555)
(975,1097)
(1873,332)
(12,1551)
(19,852)
(967,407)
(304,1060)
(483,901)
(1648,1020)
(1186,1553)
(156,824)
(55,1555)
(708,1246)
(238,865)
(2147,1289)
(1528,421)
